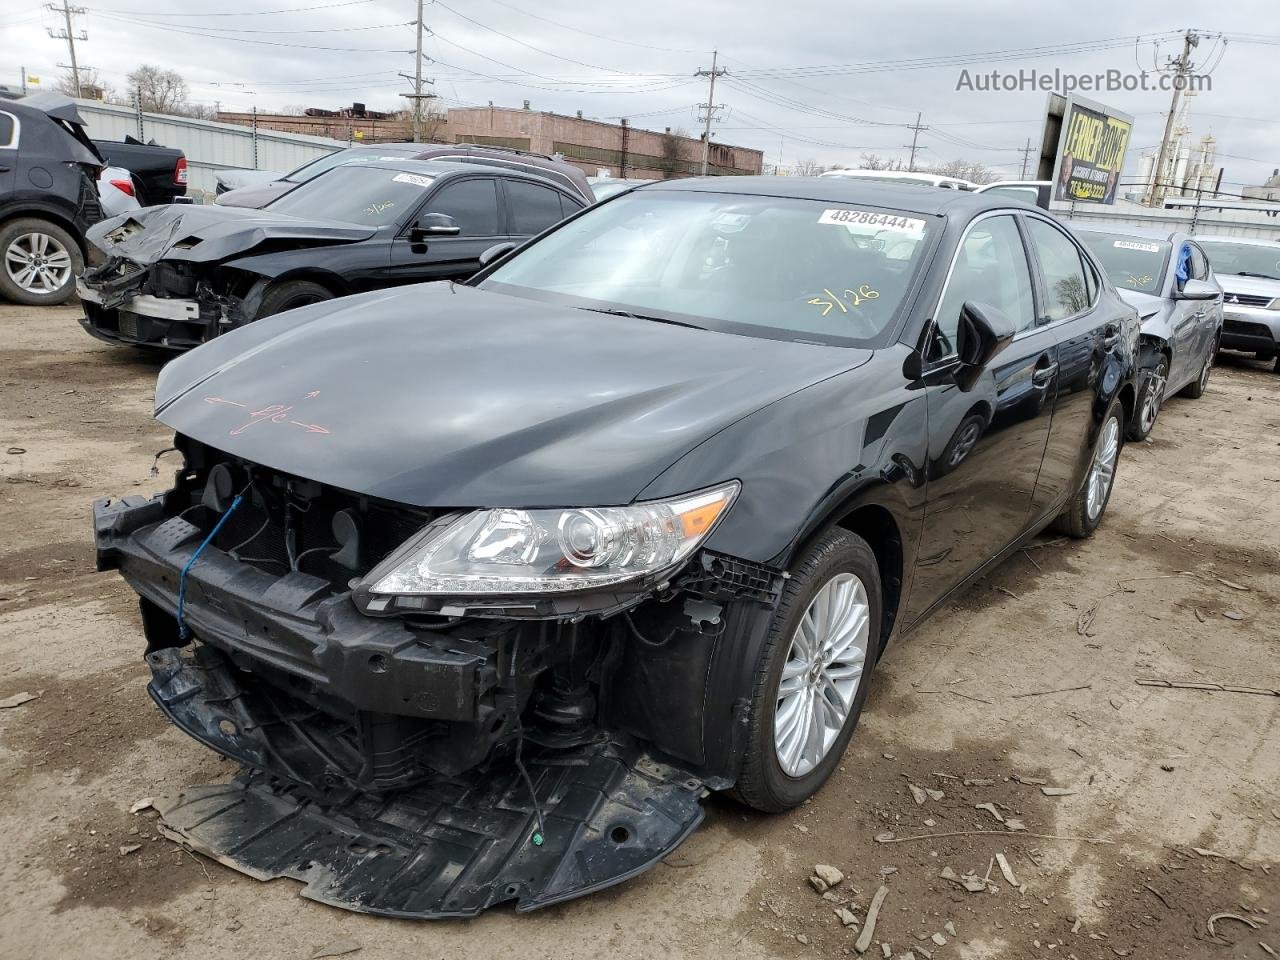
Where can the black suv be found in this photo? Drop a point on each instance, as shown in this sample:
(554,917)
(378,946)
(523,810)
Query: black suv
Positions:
(48,198)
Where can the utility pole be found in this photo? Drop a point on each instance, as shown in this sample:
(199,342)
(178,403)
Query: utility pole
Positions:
(710,107)
(69,35)
(915,129)
(1181,66)
(1026,155)
(417,81)
(418,96)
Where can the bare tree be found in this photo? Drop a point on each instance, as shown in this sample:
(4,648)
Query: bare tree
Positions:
(808,168)
(91,83)
(159,90)
(970,170)
(873,161)
(672,151)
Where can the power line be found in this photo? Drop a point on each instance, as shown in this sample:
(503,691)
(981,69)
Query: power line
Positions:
(545,53)
(267,43)
(238,13)
(587,33)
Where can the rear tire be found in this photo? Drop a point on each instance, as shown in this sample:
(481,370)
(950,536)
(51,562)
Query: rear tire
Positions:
(1085,510)
(290,294)
(39,262)
(840,567)
(1147,407)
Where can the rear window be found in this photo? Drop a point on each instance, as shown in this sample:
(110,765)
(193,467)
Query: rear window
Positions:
(8,130)
(368,196)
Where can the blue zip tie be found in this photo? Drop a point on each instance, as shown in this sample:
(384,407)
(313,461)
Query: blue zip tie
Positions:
(183,632)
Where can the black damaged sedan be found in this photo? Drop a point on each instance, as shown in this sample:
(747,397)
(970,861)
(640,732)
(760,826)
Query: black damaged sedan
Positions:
(486,584)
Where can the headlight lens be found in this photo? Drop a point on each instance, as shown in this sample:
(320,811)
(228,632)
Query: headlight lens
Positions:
(508,551)
(1274,304)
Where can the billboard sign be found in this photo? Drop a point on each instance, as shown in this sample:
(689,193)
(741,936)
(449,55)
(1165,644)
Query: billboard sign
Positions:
(1092,142)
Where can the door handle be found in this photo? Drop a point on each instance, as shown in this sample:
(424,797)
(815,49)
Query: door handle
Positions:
(1043,374)
(1110,338)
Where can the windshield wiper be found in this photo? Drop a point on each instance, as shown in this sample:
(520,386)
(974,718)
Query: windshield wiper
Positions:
(613,312)
(1260,276)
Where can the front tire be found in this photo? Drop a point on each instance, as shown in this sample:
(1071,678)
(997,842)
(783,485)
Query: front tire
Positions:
(290,294)
(1084,511)
(1147,409)
(811,680)
(39,262)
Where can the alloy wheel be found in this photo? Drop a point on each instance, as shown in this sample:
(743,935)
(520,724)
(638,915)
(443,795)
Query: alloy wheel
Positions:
(1153,397)
(38,263)
(821,674)
(1103,469)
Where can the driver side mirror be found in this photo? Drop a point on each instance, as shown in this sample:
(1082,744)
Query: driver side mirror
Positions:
(983,332)
(433,225)
(496,251)
(1198,290)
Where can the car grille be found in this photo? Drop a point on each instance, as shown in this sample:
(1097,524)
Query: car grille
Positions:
(1246,300)
(256,531)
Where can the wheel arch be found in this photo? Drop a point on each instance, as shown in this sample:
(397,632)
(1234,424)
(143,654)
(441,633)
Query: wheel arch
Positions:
(54,216)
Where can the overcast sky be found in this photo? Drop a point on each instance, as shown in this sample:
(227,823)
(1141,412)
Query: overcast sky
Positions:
(803,78)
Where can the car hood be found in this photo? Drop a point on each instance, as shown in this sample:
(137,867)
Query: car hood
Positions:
(206,234)
(442,395)
(254,196)
(1254,286)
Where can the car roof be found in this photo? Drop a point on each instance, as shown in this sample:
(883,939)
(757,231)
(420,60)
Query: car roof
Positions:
(1252,241)
(1127,230)
(847,190)
(442,168)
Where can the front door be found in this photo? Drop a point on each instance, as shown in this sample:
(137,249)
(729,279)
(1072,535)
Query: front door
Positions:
(986,443)
(473,203)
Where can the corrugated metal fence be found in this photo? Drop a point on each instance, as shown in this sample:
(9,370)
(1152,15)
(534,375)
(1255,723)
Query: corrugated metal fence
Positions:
(1205,222)
(209,146)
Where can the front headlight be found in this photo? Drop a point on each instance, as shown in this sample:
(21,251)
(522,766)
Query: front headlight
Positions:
(507,551)
(1274,304)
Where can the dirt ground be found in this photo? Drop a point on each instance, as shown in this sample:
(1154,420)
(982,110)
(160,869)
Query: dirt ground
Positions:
(1167,812)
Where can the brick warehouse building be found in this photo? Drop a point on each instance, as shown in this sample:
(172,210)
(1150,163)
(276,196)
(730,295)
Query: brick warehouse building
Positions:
(622,150)
(592,145)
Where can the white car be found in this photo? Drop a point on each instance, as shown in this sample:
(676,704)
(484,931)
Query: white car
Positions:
(904,176)
(1249,271)
(116,191)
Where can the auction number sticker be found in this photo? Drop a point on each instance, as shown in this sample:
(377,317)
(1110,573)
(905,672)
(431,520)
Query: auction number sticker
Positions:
(1137,245)
(415,179)
(868,218)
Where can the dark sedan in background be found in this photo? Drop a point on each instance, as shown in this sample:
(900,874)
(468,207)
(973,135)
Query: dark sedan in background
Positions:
(177,276)
(486,583)
(1167,278)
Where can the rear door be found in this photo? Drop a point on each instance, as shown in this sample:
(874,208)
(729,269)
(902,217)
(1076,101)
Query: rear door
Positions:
(8,152)
(986,443)
(474,202)
(1075,316)
(533,207)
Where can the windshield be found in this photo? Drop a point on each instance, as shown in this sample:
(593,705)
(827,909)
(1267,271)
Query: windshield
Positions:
(1244,259)
(313,168)
(1132,263)
(369,196)
(785,269)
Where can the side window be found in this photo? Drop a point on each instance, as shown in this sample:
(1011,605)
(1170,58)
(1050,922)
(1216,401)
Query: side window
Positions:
(568,206)
(7,129)
(1199,262)
(990,268)
(533,207)
(1065,288)
(472,203)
